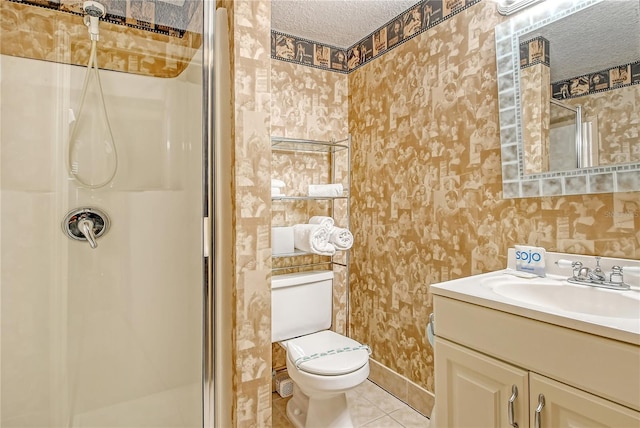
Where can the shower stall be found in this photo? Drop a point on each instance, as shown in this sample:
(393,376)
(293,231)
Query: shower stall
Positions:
(105,272)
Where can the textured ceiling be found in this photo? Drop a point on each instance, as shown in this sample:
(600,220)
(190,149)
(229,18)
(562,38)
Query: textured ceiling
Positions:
(602,36)
(339,23)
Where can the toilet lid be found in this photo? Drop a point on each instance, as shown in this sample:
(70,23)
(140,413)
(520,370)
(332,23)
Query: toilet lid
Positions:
(327,353)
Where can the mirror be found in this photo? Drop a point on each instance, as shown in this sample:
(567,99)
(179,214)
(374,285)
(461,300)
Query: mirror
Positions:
(590,85)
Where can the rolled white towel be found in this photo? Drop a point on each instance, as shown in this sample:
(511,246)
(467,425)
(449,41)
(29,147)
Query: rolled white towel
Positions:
(322,190)
(277,183)
(341,238)
(327,222)
(313,238)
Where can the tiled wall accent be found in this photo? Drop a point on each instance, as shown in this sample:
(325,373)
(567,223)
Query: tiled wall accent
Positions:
(599,81)
(158,16)
(249,29)
(427,182)
(46,34)
(416,20)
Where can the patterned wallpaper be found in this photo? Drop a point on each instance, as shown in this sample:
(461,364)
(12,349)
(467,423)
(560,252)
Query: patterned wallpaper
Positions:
(535,89)
(426,194)
(308,103)
(249,29)
(618,140)
(598,81)
(162,17)
(47,34)
(416,20)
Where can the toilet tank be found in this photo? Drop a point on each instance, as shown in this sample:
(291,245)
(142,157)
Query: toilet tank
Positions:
(301,303)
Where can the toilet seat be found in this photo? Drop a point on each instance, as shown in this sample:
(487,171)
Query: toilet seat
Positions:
(327,353)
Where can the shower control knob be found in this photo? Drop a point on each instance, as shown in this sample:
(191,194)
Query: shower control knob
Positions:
(86,224)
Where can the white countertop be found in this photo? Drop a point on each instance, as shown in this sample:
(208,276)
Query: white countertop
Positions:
(473,290)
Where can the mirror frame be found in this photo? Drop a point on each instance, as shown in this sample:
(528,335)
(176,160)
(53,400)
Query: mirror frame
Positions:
(515,183)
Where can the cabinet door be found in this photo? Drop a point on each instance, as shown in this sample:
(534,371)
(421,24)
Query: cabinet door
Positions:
(473,390)
(565,406)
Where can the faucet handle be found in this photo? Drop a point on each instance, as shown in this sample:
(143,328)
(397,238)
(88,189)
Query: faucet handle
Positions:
(565,264)
(616,275)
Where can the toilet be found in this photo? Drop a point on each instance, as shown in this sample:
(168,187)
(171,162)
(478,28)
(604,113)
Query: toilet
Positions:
(322,364)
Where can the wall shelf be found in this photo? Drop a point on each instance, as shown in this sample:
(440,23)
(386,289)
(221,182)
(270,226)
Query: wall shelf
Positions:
(306,198)
(300,145)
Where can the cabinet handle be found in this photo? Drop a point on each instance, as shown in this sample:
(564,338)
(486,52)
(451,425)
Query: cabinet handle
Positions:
(539,410)
(512,399)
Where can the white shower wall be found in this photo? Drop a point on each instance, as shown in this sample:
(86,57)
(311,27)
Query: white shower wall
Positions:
(108,336)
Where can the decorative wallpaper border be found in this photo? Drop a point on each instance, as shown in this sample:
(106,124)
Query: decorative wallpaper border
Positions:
(157,16)
(534,51)
(404,27)
(599,81)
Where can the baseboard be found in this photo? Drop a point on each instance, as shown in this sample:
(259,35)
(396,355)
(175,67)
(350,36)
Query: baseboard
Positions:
(402,388)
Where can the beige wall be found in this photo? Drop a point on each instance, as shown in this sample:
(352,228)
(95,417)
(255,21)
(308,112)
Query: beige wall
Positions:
(249,29)
(427,204)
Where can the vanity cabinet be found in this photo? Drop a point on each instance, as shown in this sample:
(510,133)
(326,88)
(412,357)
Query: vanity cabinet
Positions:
(483,355)
(565,406)
(474,390)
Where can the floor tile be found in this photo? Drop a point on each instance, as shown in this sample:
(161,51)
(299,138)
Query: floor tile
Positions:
(384,422)
(409,418)
(381,398)
(371,407)
(363,411)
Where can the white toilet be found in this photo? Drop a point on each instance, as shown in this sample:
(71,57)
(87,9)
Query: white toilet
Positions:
(323,364)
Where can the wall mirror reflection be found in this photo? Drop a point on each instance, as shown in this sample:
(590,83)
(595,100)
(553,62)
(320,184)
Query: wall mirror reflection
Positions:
(570,98)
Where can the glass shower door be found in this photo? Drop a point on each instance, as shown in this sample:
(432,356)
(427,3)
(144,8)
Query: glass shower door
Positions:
(108,336)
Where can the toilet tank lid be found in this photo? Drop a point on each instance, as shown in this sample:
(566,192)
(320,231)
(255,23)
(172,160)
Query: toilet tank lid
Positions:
(298,278)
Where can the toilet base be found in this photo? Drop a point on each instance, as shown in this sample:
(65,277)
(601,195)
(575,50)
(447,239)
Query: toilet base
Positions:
(330,412)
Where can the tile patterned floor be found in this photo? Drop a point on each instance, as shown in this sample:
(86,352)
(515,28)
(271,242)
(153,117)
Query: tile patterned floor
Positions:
(371,407)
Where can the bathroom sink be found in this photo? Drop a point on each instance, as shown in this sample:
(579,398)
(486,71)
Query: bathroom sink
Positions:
(563,296)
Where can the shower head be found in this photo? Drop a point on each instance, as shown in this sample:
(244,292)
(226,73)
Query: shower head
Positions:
(94,11)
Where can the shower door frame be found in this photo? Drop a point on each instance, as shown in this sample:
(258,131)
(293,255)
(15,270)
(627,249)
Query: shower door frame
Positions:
(208,193)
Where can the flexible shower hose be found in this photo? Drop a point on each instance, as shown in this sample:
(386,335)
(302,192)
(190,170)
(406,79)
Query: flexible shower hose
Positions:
(72,169)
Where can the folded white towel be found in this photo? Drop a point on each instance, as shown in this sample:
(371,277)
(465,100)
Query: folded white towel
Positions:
(275,191)
(341,238)
(327,222)
(277,183)
(322,190)
(313,238)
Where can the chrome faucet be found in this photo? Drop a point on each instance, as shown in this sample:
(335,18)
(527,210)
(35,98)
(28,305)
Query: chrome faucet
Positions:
(596,277)
(597,274)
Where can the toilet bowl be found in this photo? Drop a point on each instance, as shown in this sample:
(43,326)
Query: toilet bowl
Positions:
(321,382)
(322,364)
